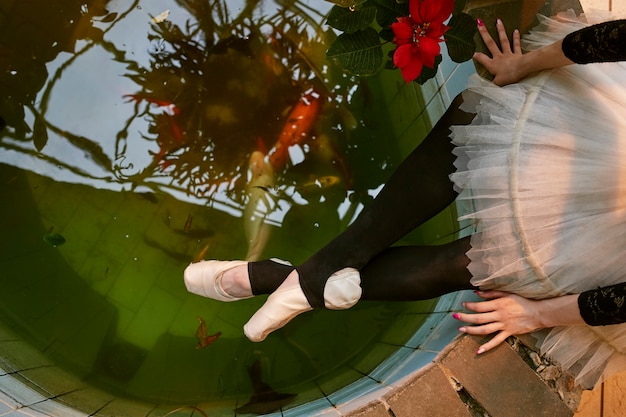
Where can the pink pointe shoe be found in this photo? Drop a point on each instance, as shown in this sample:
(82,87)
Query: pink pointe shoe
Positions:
(341,292)
(204,278)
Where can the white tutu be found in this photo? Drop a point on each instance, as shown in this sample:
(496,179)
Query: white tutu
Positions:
(542,174)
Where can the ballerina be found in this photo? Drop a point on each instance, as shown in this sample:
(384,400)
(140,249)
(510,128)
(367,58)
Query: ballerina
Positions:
(545,186)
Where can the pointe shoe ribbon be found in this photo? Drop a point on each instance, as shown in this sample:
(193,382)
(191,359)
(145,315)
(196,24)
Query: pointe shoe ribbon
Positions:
(204,278)
(341,292)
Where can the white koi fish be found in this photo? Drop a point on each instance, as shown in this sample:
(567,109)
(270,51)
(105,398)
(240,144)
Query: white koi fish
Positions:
(260,204)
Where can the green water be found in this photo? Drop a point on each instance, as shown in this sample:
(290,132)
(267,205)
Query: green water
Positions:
(106,199)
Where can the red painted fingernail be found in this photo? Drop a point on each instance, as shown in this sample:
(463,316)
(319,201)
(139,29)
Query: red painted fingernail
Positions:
(456,316)
(480,22)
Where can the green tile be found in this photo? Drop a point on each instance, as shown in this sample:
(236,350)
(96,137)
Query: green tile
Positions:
(59,203)
(88,400)
(125,316)
(185,321)
(134,282)
(101,271)
(170,279)
(126,408)
(400,330)
(152,319)
(17,355)
(37,185)
(81,347)
(53,381)
(344,376)
(82,233)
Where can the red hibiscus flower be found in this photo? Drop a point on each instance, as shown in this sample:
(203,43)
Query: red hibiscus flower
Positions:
(418,35)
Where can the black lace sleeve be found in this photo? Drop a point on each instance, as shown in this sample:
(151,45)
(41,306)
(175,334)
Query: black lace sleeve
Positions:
(604,42)
(604,306)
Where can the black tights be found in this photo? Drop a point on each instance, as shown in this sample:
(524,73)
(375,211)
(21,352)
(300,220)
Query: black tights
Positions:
(419,189)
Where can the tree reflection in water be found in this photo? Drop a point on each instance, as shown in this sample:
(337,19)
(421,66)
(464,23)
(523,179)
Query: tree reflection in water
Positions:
(215,89)
(220,88)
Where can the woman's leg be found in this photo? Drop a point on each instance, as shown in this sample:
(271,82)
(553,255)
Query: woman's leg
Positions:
(399,273)
(411,273)
(416,191)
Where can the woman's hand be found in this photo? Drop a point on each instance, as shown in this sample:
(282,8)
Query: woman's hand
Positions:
(507,65)
(508,314)
(504,314)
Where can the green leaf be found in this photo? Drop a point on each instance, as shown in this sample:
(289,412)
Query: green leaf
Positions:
(360,53)
(387,34)
(428,73)
(40,132)
(54,239)
(460,37)
(351,21)
(389,11)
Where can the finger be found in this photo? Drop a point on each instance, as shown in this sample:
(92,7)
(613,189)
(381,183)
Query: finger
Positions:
(491,45)
(495,341)
(481,306)
(477,318)
(483,329)
(491,294)
(504,39)
(517,45)
(482,59)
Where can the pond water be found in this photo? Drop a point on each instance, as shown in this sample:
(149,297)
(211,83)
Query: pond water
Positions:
(140,136)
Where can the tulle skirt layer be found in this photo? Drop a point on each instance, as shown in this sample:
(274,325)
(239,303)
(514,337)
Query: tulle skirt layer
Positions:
(541,173)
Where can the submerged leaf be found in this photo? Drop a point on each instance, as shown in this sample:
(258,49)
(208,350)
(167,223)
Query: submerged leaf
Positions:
(205,339)
(54,239)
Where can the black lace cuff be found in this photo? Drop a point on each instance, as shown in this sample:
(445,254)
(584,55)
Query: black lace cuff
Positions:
(604,42)
(603,306)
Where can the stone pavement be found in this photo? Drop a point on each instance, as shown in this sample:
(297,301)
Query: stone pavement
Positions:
(509,381)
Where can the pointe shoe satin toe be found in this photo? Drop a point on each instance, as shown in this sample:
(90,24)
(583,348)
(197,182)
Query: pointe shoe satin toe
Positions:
(204,278)
(341,292)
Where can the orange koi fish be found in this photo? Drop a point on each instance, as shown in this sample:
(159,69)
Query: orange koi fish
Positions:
(205,340)
(296,130)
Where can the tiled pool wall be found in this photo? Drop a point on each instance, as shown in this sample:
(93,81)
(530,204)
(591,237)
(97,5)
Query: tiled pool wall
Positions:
(22,367)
